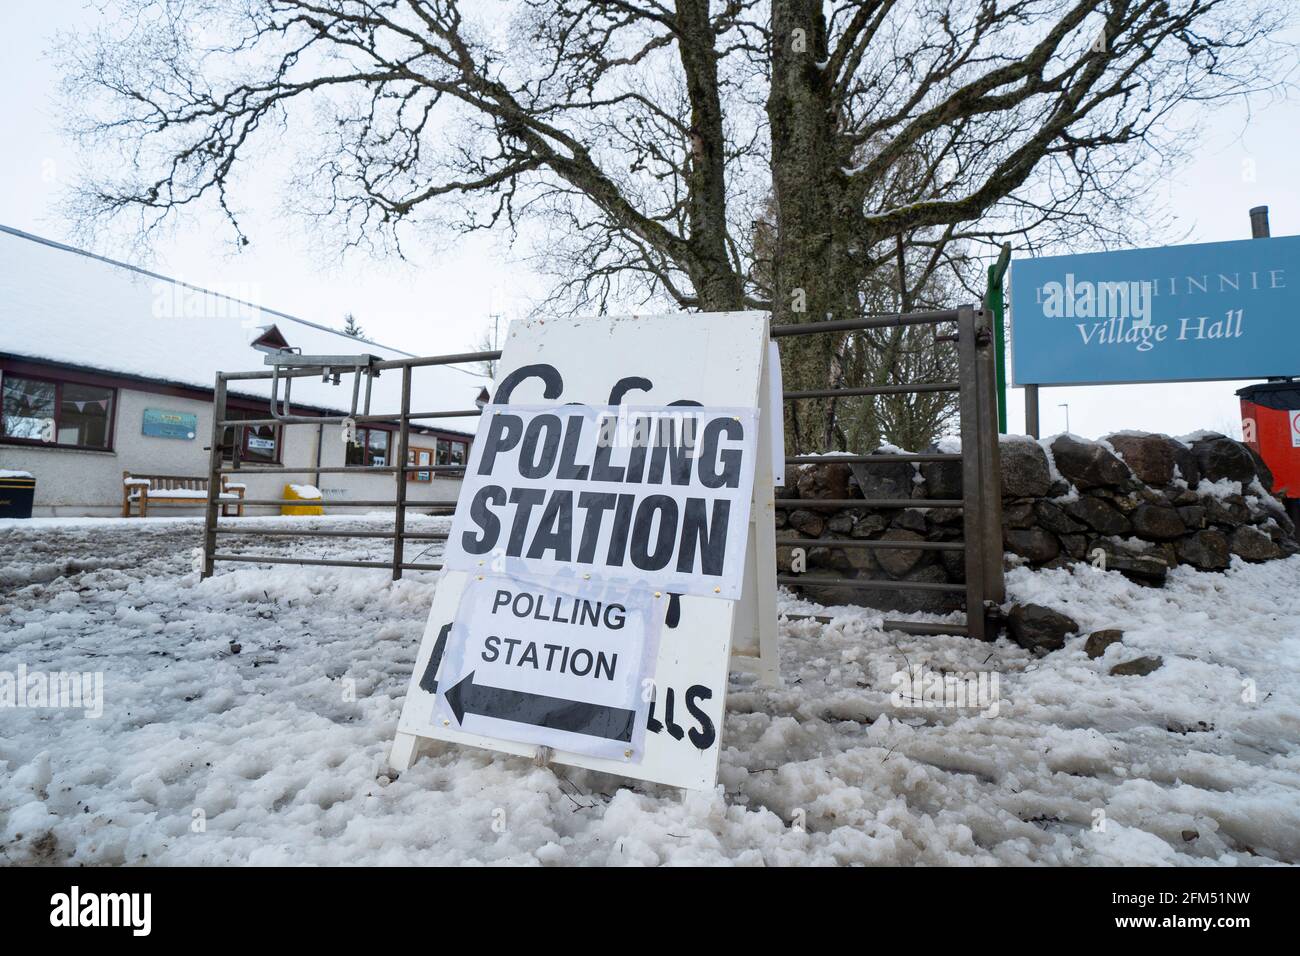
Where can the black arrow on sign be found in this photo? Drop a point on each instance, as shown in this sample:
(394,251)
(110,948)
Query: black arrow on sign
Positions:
(429,682)
(556,713)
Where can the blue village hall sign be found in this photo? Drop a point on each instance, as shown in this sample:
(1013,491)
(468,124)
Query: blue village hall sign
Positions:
(1215,310)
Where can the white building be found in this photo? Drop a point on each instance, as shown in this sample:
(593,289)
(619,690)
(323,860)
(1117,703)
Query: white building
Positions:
(106,368)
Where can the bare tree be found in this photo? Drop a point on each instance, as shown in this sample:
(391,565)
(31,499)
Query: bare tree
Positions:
(645,137)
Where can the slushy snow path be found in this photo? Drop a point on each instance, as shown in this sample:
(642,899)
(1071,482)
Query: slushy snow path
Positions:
(276,754)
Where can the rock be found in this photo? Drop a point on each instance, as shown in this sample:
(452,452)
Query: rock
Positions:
(784,555)
(1157,523)
(931,602)
(1033,544)
(808,523)
(899,561)
(1182,497)
(954,565)
(841,522)
(945,516)
(781,518)
(887,480)
(942,478)
(1178,727)
(1259,512)
(1262,471)
(1088,464)
(863,559)
(1052,517)
(831,596)
(1151,457)
(833,559)
(1285,520)
(911,520)
(1098,515)
(1024,469)
(1220,457)
(1018,514)
(1185,465)
(1144,568)
(1251,544)
(1230,510)
(1098,641)
(1124,504)
(824,481)
(1138,667)
(1075,545)
(1204,550)
(1154,496)
(1039,628)
(868,524)
(1193,516)
(1190,835)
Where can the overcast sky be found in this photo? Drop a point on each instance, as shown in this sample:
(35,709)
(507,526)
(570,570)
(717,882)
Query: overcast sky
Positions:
(441,300)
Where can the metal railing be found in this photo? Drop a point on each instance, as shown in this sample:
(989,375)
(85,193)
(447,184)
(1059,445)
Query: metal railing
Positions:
(298,366)
(981,502)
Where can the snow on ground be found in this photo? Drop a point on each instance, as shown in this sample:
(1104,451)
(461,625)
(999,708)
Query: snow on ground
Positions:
(276,754)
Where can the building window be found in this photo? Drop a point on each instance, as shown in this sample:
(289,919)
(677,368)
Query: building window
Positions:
(257,443)
(370,448)
(451,451)
(51,412)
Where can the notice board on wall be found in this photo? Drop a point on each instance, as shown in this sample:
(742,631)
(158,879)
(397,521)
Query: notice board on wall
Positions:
(161,423)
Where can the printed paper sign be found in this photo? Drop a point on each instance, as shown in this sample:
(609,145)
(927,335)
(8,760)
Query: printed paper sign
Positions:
(564,668)
(653,497)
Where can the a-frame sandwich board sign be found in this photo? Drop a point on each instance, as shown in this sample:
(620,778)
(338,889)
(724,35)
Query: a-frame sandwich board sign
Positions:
(707,360)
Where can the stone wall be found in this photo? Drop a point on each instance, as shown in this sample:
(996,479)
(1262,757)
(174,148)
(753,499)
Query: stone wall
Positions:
(1149,502)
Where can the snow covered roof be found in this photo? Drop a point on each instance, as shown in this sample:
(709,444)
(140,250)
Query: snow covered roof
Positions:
(61,304)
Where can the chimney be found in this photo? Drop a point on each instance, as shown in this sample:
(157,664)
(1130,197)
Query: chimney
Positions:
(1259,222)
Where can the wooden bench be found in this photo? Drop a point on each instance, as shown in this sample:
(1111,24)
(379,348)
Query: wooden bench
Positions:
(176,489)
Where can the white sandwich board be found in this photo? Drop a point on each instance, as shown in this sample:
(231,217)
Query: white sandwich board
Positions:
(526,645)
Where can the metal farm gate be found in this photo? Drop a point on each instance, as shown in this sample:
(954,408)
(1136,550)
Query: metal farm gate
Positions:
(980,503)
(981,500)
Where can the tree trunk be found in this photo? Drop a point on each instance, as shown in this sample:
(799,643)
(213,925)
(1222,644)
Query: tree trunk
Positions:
(813,277)
(716,283)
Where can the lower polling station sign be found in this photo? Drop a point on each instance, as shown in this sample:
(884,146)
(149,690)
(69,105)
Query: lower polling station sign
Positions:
(560,667)
(650,497)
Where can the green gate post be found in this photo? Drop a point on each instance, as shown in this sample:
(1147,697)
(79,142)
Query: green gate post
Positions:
(994,302)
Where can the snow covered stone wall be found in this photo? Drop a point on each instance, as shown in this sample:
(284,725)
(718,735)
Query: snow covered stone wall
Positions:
(1146,502)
